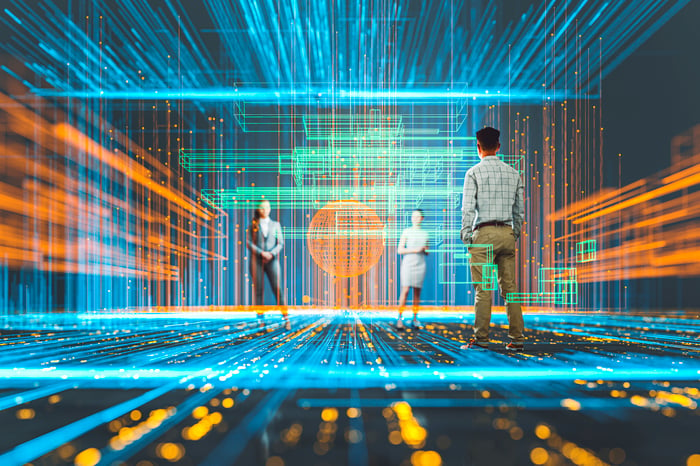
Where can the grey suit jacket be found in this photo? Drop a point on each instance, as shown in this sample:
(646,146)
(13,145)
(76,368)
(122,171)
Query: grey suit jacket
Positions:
(257,243)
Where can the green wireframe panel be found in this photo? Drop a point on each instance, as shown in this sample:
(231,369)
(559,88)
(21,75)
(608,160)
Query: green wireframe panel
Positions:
(343,164)
(489,276)
(556,286)
(235,160)
(586,251)
(380,198)
(515,161)
(454,264)
(372,126)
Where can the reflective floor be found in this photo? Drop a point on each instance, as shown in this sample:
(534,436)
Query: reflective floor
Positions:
(347,388)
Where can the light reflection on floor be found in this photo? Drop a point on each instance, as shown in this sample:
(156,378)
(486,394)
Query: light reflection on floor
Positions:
(347,388)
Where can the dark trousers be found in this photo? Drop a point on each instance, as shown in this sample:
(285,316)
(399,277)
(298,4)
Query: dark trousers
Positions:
(274,275)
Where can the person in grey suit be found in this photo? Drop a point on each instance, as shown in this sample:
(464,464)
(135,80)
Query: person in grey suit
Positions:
(265,242)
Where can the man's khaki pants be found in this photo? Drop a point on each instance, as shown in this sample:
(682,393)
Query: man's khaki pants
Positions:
(503,241)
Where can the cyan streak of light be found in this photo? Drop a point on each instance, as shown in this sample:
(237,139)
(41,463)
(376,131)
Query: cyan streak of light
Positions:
(328,351)
(286,96)
(340,41)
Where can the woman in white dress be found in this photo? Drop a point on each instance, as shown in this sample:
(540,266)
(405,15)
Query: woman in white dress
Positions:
(413,246)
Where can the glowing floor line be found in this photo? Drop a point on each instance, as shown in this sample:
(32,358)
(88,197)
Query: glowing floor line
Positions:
(346,349)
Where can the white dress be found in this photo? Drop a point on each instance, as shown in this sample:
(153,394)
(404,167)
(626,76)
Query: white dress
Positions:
(413,265)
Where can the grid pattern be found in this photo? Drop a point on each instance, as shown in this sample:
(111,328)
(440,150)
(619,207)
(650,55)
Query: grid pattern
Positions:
(203,387)
(557,286)
(345,238)
(493,191)
(586,251)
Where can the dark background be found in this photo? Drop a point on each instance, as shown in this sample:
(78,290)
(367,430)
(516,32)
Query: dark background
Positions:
(650,98)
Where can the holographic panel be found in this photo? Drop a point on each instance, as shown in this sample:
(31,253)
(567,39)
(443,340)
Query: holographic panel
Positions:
(453,264)
(490,277)
(557,286)
(232,161)
(313,197)
(586,250)
(354,128)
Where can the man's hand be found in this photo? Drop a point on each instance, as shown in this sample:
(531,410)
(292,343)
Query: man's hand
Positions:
(465,235)
(267,256)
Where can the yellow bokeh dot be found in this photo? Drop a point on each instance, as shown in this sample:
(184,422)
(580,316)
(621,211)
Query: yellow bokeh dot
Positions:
(693,460)
(568,448)
(353,413)
(116,444)
(571,404)
(172,452)
(617,456)
(66,451)
(227,403)
(199,412)
(329,414)
(320,448)
(274,461)
(89,457)
(413,434)
(25,414)
(135,415)
(578,455)
(395,437)
(353,436)
(416,458)
(197,431)
(215,418)
(426,458)
(516,433)
(539,455)
(402,410)
(125,433)
(115,425)
(542,431)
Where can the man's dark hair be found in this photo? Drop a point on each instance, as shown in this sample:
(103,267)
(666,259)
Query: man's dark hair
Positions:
(488,138)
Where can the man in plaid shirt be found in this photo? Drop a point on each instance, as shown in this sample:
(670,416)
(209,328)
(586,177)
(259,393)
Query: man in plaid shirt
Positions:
(492,214)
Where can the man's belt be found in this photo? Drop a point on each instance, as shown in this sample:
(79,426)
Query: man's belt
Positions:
(491,224)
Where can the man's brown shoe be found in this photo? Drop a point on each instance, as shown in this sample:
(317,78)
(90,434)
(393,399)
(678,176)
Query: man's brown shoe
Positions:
(476,344)
(512,346)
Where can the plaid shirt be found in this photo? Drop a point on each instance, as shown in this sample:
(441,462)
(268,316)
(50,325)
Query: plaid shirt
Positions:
(493,192)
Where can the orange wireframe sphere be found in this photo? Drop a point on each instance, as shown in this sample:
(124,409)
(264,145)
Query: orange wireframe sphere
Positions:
(346,238)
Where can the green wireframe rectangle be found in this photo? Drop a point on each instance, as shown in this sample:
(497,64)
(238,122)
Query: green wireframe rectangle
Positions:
(586,251)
